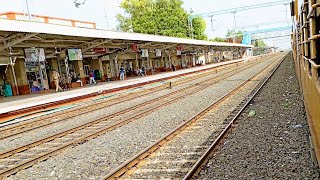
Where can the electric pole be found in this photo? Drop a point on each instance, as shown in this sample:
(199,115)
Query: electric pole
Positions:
(29,15)
(106,16)
(235,26)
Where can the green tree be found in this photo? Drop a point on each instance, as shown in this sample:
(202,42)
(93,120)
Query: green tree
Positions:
(231,33)
(259,43)
(199,26)
(218,39)
(160,17)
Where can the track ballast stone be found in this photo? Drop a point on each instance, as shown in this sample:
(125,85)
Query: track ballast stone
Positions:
(97,157)
(273,143)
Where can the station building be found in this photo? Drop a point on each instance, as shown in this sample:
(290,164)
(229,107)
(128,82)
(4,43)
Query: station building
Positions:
(31,50)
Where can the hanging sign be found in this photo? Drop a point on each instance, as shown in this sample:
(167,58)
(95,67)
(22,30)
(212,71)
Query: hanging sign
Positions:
(100,50)
(75,54)
(34,55)
(144,53)
(134,47)
(179,50)
(158,52)
(106,58)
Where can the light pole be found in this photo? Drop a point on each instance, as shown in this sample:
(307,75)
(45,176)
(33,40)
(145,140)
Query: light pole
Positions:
(286,4)
(29,15)
(190,18)
(106,16)
(212,25)
(235,26)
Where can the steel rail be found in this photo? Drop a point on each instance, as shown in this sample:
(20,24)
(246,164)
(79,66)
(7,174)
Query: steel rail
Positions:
(7,153)
(114,101)
(123,168)
(10,132)
(61,102)
(205,157)
(31,161)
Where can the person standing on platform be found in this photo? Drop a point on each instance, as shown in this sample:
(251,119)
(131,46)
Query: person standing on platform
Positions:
(143,71)
(56,77)
(91,76)
(79,80)
(173,67)
(122,73)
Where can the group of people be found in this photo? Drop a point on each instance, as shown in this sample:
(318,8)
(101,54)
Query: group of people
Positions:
(74,78)
(141,72)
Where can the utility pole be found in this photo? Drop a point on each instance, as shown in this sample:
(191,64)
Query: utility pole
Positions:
(235,26)
(28,9)
(286,4)
(190,18)
(106,16)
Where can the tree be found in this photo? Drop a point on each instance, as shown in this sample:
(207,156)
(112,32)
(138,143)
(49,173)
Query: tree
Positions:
(231,33)
(218,39)
(199,26)
(160,17)
(140,16)
(259,43)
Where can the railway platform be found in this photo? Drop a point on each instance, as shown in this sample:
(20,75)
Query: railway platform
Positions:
(16,103)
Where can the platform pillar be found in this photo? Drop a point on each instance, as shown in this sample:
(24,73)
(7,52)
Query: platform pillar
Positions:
(183,60)
(113,66)
(116,62)
(205,58)
(193,60)
(165,58)
(10,79)
(162,64)
(136,63)
(169,60)
(21,77)
(78,67)
(53,62)
(97,65)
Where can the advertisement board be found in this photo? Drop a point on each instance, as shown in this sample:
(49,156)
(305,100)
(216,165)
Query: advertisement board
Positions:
(158,52)
(75,54)
(179,50)
(34,55)
(144,53)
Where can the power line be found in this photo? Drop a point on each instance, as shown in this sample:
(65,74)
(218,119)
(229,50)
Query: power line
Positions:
(233,10)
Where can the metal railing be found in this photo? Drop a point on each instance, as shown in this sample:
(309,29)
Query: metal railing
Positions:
(48,19)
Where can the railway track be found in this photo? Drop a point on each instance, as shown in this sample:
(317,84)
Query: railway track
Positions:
(51,119)
(174,155)
(40,108)
(19,158)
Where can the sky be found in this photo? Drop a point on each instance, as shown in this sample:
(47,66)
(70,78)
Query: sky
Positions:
(103,12)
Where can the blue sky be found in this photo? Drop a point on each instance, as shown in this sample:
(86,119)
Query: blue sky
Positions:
(94,10)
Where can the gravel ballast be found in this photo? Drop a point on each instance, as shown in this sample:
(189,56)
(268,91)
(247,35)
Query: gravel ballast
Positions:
(99,156)
(273,143)
(55,128)
(175,158)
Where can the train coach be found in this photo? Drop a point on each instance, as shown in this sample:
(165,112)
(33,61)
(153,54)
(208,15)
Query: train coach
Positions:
(306,54)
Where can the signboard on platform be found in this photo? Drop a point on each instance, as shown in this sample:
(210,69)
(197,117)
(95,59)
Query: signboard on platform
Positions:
(75,54)
(34,55)
(134,47)
(100,50)
(144,53)
(179,50)
(158,52)
(105,58)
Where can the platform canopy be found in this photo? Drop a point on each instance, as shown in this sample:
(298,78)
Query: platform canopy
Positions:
(16,35)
